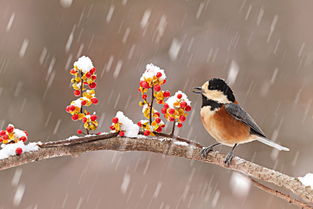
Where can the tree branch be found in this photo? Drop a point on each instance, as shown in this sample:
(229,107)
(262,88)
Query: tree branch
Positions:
(163,144)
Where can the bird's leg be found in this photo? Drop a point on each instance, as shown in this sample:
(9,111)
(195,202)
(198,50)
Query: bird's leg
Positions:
(205,150)
(230,156)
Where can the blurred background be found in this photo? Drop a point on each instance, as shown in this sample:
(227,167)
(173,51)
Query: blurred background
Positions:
(262,48)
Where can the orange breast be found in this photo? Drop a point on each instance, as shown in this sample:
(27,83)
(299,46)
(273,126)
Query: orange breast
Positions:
(224,127)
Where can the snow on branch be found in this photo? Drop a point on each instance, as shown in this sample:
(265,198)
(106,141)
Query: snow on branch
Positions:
(164,144)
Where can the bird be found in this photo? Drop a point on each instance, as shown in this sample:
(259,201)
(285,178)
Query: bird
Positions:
(226,121)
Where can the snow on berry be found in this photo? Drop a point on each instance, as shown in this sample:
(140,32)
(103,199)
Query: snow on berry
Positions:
(84,64)
(12,135)
(172,101)
(11,149)
(153,71)
(121,123)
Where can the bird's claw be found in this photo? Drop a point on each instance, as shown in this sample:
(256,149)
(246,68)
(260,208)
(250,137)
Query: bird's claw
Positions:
(228,158)
(205,151)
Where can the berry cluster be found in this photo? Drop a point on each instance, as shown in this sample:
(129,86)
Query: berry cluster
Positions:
(13,135)
(152,79)
(123,125)
(117,126)
(176,107)
(84,77)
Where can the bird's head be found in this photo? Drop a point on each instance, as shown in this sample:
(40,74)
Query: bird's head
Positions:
(216,90)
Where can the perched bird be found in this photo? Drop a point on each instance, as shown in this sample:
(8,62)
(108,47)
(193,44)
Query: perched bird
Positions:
(226,121)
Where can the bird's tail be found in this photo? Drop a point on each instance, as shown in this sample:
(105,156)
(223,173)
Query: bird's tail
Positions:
(272,144)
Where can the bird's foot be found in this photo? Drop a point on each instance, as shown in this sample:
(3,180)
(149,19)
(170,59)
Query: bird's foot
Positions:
(205,151)
(229,158)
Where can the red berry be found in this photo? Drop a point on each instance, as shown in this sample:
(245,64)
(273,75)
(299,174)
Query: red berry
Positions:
(159,129)
(2,133)
(160,102)
(172,119)
(88,75)
(18,151)
(73,71)
(84,119)
(163,125)
(182,118)
(188,108)
(183,104)
(94,77)
(76,93)
(146,133)
(93,85)
(26,133)
(159,74)
(93,117)
(158,120)
(10,129)
(5,137)
(164,81)
(74,117)
(166,93)
(179,96)
(139,124)
(23,139)
(93,70)
(157,114)
(99,133)
(121,133)
(79,131)
(84,102)
(166,106)
(163,110)
(94,100)
(171,111)
(179,125)
(1,140)
(72,107)
(112,128)
(144,96)
(157,88)
(114,120)
(144,84)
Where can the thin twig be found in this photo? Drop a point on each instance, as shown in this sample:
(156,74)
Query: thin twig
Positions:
(280,195)
(151,105)
(173,128)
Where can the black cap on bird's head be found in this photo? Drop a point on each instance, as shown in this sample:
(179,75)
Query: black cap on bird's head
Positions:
(216,90)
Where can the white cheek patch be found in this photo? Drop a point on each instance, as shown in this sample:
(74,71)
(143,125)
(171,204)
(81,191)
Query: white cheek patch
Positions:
(217,96)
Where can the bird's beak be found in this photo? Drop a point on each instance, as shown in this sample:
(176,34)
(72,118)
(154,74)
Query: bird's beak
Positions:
(197,90)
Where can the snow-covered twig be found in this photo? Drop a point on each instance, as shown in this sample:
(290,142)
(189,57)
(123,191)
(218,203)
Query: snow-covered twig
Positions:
(166,145)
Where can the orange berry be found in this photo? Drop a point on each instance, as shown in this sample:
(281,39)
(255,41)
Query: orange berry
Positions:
(18,151)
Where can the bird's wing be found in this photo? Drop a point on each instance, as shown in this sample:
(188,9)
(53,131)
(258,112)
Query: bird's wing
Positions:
(240,114)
